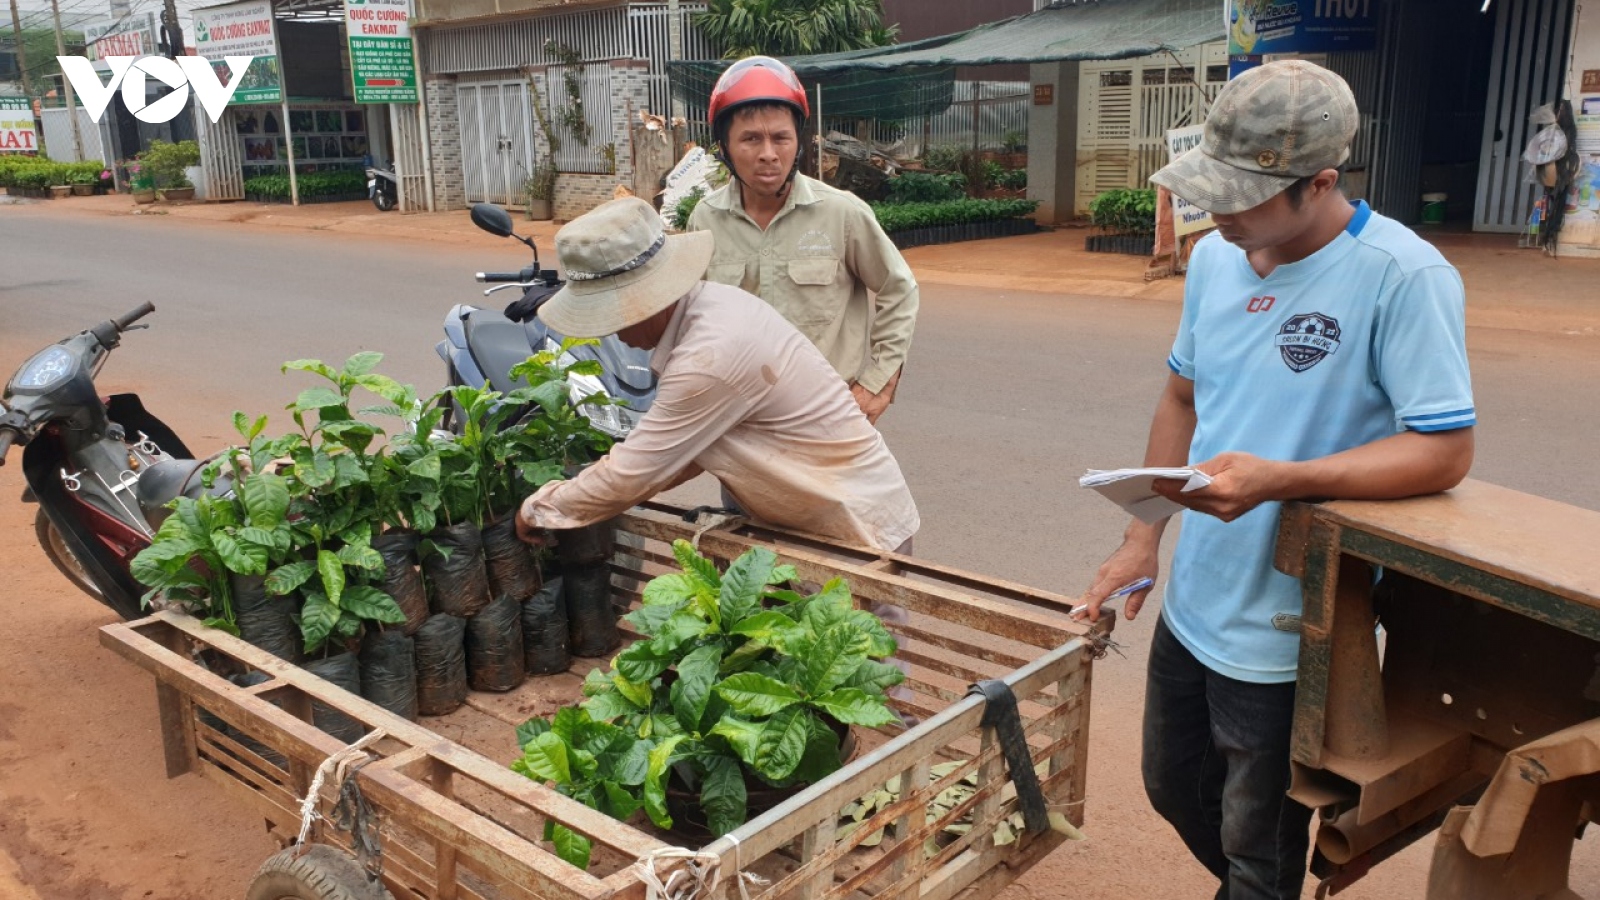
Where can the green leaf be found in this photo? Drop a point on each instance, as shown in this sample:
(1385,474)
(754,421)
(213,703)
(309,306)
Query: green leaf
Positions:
(361,557)
(722,795)
(531,729)
(743,583)
(697,672)
(642,662)
(674,589)
(610,705)
(427,467)
(568,720)
(649,620)
(744,657)
(782,743)
(751,694)
(331,569)
(634,766)
(265,498)
(546,758)
(317,619)
(783,575)
(619,802)
(766,626)
(699,569)
(875,676)
(242,558)
(679,628)
(821,758)
(315,471)
(743,736)
(571,846)
(638,694)
(317,398)
(880,642)
(312,365)
(287,579)
(835,656)
(362,363)
(854,706)
(221,624)
(655,781)
(372,604)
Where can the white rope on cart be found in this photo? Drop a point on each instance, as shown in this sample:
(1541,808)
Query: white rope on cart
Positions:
(710,521)
(338,765)
(697,878)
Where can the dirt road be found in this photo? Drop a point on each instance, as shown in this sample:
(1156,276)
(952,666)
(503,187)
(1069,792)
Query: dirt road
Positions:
(1010,396)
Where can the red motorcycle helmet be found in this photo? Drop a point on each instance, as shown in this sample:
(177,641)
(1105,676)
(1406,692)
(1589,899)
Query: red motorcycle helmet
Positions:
(756,79)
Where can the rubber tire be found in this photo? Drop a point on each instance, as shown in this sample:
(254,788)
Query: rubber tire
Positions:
(52,545)
(321,873)
(383,200)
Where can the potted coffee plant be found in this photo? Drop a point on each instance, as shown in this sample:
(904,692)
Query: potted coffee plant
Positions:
(540,189)
(740,693)
(169,164)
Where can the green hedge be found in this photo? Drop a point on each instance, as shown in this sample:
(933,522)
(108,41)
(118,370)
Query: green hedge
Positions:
(40,172)
(311,184)
(904,216)
(926,187)
(1126,210)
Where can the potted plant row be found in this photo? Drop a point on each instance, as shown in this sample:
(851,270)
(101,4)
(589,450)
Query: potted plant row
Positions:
(314,553)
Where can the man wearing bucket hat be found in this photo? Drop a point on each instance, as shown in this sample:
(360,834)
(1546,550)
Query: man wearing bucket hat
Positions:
(741,394)
(1320,354)
(811,250)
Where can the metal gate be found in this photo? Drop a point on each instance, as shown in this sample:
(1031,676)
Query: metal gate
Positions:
(1530,43)
(405,123)
(497,150)
(1126,107)
(221,152)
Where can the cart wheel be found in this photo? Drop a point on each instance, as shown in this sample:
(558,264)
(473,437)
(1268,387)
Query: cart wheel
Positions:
(321,873)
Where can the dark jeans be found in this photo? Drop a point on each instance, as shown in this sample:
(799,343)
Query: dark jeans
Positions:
(1216,766)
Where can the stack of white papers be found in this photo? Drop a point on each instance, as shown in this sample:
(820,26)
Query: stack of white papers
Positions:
(1132,489)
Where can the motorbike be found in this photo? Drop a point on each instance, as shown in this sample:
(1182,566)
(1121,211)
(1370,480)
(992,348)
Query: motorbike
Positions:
(382,187)
(101,469)
(481,345)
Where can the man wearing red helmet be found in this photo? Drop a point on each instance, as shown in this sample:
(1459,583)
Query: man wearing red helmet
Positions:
(812,251)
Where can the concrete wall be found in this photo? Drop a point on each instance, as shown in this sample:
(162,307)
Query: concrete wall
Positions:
(1053,142)
(444,142)
(1580,235)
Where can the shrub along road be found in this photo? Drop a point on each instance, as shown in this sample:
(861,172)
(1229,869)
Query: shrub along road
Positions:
(1009,397)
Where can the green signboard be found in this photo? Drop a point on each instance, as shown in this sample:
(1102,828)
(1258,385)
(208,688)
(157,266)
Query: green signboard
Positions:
(242,29)
(382,68)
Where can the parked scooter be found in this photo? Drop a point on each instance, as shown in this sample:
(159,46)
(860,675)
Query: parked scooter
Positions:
(382,187)
(481,345)
(101,469)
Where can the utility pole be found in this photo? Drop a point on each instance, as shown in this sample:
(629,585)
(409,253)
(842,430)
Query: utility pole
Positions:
(169,25)
(66,83)
(22,55)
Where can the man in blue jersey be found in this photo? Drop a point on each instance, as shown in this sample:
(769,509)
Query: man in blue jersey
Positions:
(1321,354)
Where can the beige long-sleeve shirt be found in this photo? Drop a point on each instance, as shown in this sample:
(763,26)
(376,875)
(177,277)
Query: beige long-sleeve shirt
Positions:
(815,263)
(746,397)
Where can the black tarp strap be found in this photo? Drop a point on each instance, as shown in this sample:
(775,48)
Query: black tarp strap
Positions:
(1000,713)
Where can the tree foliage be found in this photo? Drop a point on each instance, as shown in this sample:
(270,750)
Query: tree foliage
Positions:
(794,27)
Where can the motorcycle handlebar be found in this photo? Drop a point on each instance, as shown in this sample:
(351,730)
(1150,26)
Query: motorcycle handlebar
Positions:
(499,277)
(128,318)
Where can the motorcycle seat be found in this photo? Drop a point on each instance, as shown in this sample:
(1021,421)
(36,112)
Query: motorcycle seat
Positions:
(166,481)
(497,344)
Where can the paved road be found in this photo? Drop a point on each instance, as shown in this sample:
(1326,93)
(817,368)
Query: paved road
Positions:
(1009,397)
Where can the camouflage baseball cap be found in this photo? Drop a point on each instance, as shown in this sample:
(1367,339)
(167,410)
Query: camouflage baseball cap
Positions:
(1270,126)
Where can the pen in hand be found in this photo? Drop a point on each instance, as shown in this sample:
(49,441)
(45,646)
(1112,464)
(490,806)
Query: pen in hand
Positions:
(1125,590)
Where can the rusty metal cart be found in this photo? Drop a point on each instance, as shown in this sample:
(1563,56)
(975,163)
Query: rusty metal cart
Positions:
(1475,708)
(455,822)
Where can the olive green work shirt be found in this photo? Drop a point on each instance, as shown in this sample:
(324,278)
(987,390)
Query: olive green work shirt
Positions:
(815,263)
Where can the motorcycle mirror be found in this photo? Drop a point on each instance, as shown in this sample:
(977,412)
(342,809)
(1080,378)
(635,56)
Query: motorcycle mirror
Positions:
(492,219)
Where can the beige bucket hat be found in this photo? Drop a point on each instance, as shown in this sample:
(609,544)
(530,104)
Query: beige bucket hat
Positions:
(621,268)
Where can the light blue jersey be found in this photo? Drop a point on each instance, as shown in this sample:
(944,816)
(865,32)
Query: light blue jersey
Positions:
(1362,339)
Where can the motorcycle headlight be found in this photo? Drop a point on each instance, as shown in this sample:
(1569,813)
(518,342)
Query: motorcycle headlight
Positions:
(48,368)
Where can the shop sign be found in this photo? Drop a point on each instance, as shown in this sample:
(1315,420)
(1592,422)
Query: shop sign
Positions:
(16,126)
(1186,217)
(1257,27)
(125,36)
(382,68)
(242,29)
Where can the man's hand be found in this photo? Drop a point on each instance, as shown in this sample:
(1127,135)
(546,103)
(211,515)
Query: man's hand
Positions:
(875,405)
(532,534)
(1240,482)
(1133,560)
